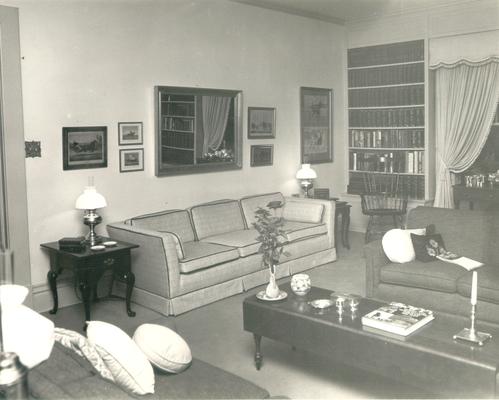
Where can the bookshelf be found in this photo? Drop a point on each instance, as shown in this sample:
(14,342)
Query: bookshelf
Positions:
(178,127)
(386,114)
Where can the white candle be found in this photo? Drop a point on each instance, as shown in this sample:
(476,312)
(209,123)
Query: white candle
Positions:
(474,288)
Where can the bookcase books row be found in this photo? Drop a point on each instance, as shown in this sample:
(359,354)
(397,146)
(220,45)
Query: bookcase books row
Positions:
(178,139)
(178,124)
(179,109)
(410,185)
(413,117)
(389,75)
(386,138)
(407,162)
(386,53)
(386,96)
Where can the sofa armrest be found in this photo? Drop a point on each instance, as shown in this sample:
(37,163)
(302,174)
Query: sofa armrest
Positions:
(375,259)
(155,262)
(327,217)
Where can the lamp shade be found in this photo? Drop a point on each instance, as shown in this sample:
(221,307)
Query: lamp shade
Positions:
(306,172)
(90,199)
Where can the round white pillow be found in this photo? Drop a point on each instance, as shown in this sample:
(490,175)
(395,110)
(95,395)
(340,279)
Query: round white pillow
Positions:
(164,348)
(397,244)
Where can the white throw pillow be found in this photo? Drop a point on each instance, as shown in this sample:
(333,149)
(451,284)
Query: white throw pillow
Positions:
(397,244)
(164,348)
(127,363)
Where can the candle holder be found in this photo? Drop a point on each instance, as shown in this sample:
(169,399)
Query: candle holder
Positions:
(472,335)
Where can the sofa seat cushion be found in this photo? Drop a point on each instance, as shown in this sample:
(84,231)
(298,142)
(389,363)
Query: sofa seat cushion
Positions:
(244,240)
(295,230)
(434,275)
(488,284)
(199,255)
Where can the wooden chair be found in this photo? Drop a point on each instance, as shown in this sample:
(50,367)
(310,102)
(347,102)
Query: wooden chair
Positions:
(383,197)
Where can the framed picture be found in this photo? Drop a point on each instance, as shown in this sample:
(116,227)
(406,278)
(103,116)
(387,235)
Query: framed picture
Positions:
(316,123)
(130,133)
(131,160)
(261,155)
(261,123)
(84,147)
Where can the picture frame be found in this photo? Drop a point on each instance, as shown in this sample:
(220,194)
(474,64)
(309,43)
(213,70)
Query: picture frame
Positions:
(131,160)
(316,116)
(130,133)
(84,147)
(262,155)
(261,123)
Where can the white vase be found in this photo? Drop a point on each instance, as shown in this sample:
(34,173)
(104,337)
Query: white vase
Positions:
(272,291)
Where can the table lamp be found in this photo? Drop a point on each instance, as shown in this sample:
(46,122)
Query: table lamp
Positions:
(90,200)
(306,175)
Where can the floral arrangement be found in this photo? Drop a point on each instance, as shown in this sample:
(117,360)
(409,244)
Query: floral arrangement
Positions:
(272,236)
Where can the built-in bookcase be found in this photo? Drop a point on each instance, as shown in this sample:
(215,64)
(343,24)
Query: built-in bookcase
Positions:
(386,113)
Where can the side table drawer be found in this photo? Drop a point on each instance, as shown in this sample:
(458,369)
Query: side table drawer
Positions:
(116,260)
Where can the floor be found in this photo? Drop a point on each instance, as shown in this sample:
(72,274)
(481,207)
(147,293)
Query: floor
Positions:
(215,334)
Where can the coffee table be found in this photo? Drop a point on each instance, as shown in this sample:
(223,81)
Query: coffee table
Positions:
(429,358)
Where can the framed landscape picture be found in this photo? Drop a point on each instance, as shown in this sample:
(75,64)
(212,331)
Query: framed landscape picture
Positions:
(84,147)
(261,123)
(130,133)
(316,107)
(131,160)
(262,155)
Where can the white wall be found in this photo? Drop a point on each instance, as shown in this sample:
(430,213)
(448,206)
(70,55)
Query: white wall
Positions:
(96,63)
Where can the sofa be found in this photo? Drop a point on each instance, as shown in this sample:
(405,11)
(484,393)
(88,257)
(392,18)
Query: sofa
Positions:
(438,285)
(192,257)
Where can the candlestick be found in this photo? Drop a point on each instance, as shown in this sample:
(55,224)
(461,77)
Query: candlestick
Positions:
(474,284)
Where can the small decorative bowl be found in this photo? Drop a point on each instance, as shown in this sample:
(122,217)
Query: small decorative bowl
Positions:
(300,284)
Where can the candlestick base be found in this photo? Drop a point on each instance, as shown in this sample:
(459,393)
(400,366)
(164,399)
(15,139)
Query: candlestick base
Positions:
(473,336)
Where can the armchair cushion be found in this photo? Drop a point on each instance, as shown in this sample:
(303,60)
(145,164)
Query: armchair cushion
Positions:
(199,255)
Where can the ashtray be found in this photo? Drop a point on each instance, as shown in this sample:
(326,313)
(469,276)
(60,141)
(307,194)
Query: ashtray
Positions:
(321,303)
(110,243)
(98,247)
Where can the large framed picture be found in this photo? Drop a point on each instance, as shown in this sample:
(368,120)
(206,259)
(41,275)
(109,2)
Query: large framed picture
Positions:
(262,155)
(261,123)
(84,147)
(316,107)
(131,160)
(130,133)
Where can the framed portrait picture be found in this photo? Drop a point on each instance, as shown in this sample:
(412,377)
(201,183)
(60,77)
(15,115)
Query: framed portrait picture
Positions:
(261,123)
(131,160)
(261,155)
(129,133)
(84,147)
(316,107)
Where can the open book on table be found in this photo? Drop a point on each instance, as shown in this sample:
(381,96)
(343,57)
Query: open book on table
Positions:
(464,262)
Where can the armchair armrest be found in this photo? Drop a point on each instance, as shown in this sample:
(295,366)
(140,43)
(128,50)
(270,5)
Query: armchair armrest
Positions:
(155,262)
(375,259)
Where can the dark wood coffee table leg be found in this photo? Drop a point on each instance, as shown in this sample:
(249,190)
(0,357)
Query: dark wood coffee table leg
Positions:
(258,354)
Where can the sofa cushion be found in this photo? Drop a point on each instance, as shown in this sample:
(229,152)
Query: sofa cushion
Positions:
(244,240)
(301,230)
(301,212)
(250,204)
(199,255)
(175,221)
(216,218)
(428,247)
(397,244)
(435,275)
(488,284)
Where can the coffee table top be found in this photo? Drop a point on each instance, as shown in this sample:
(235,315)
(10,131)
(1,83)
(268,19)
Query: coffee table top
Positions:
(435,337)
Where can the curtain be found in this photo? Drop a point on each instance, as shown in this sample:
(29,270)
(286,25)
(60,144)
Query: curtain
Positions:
(465,101)
(215,115)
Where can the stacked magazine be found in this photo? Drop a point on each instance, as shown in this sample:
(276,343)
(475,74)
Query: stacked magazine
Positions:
(398,318)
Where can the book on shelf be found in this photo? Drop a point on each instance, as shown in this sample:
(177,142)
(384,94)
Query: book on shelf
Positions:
(465,262)
(398,318)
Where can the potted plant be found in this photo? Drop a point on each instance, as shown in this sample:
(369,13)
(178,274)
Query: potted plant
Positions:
(272,238)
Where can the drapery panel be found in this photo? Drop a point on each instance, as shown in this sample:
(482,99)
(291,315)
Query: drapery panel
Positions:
(466,95)
(215,115)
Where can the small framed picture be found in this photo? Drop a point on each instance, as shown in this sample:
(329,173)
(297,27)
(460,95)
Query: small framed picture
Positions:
(129,133)
(262,155)
(84,147)
(131,160)
(261,123)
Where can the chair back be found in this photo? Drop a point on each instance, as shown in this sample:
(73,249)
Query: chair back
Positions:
(383,193)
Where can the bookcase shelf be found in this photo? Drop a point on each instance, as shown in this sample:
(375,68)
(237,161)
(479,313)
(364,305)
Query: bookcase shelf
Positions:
(386,114)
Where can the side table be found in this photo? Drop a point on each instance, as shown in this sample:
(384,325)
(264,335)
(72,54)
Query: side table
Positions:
(88,267)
